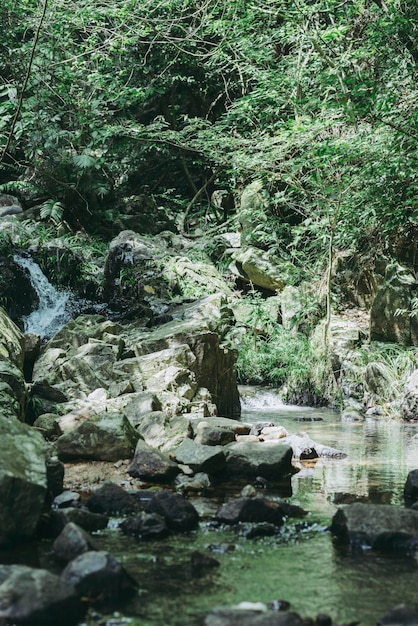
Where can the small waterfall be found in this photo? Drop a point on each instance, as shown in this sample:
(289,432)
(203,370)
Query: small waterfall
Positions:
(255,399)
(55,307)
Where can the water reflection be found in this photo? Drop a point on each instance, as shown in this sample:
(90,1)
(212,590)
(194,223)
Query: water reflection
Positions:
(380,453)
(299,564)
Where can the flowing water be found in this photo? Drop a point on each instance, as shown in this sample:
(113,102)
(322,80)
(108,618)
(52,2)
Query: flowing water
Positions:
(300,564)
(55,307)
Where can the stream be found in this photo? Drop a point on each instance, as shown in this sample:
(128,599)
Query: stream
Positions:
(300,564)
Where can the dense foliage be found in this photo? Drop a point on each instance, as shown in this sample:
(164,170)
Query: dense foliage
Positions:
(316,98)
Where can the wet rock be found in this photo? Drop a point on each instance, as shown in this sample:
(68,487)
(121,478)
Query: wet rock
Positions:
(410,492)
(201,458)
(252,531)
(365,525)
(250,510)
(72,542)
(23,479)
(395,541)
(146,526)
(111,499)
(270,460)
(47,425)
(178,512)
(89,521)
(98,576)
(202,563)
(150,464)
(224,616)
(103,437)
(35,596)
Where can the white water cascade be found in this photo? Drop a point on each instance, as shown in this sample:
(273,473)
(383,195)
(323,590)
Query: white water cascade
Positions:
(54,309)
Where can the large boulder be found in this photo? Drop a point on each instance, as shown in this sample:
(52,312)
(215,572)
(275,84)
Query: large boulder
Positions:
(390,318)
(23,479)
(201,458)
(261,268)
(35,596)
(376,525)
(12,383)
(103,437)
(199,326)
(270,459)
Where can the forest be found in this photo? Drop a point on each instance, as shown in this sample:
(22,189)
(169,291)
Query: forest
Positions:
(166,112)
(208,312)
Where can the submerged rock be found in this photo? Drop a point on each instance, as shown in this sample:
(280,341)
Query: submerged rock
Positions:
(376,526)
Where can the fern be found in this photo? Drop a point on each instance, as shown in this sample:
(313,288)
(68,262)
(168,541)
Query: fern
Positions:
(52,211)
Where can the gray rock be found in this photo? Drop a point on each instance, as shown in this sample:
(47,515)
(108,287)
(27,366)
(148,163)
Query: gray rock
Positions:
(35,596)
(366,525)
(198,483)
(269,460)
(111,499)
(6,199)
(98,575)
(13,209)
(23,479)
(392,296)
(145,526)
(250,510)
(200,458)
(306,448)
(71,542)
(164,431)
(411,487)
(178,512)
(87,520)
(103,437)
(151,464)
(218,431)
